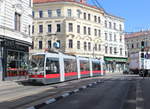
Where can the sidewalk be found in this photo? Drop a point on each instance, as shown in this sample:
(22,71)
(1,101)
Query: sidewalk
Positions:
(113,73)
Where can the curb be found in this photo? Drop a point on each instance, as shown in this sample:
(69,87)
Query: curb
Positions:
(66,94)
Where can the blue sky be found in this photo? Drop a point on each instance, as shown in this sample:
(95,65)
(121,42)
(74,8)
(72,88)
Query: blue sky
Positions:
(135,12)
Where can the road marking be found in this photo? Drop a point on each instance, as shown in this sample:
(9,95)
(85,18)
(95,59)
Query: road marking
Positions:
(50,101)
(84,87)
(76,90)
(90,84)
(31,108)
(139,97)
(65,95)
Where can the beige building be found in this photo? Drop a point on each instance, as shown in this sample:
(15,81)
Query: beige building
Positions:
(135,41)
(79,29)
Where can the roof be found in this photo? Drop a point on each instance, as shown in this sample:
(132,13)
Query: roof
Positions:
(47,1)
(136,34)
(75,1)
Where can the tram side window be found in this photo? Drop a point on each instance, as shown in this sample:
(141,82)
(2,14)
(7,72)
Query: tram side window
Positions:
(52,66)
(96,66)
(70,65)
(84,65)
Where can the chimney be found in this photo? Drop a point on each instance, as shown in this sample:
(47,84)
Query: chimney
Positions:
(83,1)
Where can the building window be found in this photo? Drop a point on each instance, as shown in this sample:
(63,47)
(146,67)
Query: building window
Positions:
(132,46)
(33,14)
(106,49)
(120,38)
(95,30)
(17,22)
(58,28)
(106,36)
(70,27)
(89,31)
(41,14)
(115,26)
(49,44)
(69,12)
(99,47)
(49,13)
(95,47)
(40,28)
(89,16)
(40,44)
(78,28)
(110,37)
(58,11)
(49,28)
(120,27)
(110,50)
(89,46)
(110,26)
(105,24)
(84,16)
(99,20)
(95,18)
(32,28)
(115,50)
(70,43)
(99,33)
(78,44)
(84,28)
(85,46)
(78,13)
(29,29)
(30,3)
(121,51)
(115,38)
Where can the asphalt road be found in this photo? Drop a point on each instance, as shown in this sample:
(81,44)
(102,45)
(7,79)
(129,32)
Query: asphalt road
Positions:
(121,92)
(116,92)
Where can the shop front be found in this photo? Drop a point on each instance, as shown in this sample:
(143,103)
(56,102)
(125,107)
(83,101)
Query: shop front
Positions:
(115,64)
(14,60)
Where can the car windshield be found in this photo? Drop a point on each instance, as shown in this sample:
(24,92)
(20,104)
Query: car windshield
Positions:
(37,62)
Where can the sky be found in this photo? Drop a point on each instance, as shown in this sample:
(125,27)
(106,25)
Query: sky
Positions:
(135,12)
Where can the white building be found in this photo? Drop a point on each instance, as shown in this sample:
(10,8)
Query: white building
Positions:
(115,50)
(80,29)
(15,37)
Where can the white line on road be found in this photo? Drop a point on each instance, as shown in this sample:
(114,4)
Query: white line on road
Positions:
(76,90)
(50,101)
(65,94)
(139,97)
(31,108)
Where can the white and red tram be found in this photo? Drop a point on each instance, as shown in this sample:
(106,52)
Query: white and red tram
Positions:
(49,68)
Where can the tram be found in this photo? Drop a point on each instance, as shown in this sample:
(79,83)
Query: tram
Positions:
(49,68)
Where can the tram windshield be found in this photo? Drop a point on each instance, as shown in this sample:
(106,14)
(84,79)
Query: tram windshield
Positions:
(37,63)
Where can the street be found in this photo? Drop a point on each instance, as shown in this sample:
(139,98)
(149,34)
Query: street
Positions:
(116,91)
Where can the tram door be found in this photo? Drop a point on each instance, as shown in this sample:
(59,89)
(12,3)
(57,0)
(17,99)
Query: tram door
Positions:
(52,69)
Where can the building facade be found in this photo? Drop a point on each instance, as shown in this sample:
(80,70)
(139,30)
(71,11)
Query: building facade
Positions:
(135,41)
(15,38)
(80,29)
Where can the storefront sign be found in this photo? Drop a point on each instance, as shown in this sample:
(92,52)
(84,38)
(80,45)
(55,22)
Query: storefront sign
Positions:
(11,44)
(114,59)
